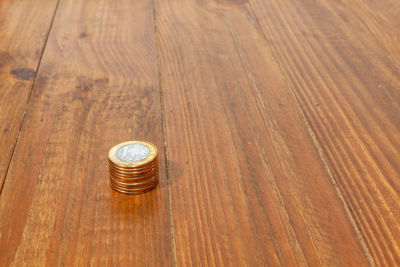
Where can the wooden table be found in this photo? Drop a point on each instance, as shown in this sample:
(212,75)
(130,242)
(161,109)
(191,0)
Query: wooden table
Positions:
(277,123)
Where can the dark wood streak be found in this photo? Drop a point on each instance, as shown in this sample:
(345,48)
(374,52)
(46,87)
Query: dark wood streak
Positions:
(24,74)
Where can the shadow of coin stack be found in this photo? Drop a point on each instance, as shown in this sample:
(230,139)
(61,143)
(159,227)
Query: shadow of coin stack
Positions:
(133,167)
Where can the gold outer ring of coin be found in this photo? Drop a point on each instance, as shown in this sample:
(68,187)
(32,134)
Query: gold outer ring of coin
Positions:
(151,167)
(134,168)
(135,189)
(133,192)
(112,155)
(140,172)
(149,184)
(134,185)
(133,180)
(133,177)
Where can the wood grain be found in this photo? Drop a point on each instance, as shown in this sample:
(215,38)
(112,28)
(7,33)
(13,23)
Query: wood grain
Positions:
(342,60)
(277,124)
(21,45)
(97,86)
(247,184)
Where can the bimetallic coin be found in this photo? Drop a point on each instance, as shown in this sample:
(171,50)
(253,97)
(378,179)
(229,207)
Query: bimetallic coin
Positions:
(133,154)
(133,167)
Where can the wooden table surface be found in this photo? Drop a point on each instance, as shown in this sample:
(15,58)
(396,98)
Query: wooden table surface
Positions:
(277,123)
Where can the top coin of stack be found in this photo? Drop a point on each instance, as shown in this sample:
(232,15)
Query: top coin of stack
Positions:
(133,167)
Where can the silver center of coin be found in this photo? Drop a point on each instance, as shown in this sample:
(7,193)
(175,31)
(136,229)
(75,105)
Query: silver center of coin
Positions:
(133,153)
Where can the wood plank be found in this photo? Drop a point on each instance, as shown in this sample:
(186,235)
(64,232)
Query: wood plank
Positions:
(341,59)
(247,184)
(21,45)
(97,86)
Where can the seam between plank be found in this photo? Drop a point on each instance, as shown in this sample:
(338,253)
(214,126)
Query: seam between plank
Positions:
(29,97)
(163,133)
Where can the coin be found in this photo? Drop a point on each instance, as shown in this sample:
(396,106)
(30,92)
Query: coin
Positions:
(136,155)
(133,167)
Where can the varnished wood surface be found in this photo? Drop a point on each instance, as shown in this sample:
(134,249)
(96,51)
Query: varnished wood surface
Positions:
(235,135)
(277,124)
(341,59)
(21,46)
(97,86)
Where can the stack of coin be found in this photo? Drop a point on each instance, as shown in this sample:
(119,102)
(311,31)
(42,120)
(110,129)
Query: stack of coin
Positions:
(133,167)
